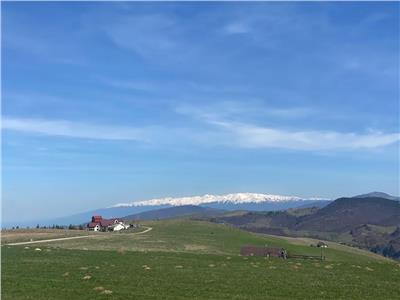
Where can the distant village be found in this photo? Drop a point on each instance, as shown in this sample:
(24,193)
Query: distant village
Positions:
(114,224)
(97,223)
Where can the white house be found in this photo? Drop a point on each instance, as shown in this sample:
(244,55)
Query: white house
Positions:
(119,226)
(94,227)
(100,224)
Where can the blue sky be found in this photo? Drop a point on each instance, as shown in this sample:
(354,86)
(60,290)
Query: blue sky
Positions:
(115,102)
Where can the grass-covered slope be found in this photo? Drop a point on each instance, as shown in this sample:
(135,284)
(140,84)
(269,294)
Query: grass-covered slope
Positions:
(344,214)
(78,274)
(369,223)
(181,259)
(200,237)
(25,235)
(175,212)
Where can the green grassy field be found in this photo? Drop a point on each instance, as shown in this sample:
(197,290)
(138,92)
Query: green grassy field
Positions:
(191,260)
(25,235)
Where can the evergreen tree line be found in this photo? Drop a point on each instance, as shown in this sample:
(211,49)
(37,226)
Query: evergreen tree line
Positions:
(55,226)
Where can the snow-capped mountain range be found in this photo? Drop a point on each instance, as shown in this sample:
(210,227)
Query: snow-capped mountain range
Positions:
(237,198)
(228,202)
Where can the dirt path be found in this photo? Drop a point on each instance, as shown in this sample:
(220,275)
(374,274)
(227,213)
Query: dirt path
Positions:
(71,238)
(144,231)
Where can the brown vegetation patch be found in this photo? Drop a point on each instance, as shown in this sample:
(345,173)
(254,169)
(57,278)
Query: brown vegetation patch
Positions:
(295,267)
(195,247)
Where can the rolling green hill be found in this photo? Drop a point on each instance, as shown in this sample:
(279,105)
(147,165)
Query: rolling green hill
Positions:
(370,223)
(175,212)
(183,259)
(182,235)
(344,213)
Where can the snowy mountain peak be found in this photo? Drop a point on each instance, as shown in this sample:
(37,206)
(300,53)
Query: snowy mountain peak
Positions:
(227,198)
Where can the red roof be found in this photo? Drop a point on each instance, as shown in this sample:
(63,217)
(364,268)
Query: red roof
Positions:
(92,225)
(109,222)
(96,218)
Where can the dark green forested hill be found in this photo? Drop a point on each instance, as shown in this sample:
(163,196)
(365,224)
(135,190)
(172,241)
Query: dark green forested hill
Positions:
(371,223)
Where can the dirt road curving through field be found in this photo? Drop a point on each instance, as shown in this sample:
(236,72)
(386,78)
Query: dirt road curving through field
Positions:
(144,231)
(71,238)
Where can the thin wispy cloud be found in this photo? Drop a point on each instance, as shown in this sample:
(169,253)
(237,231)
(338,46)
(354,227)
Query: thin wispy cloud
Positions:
(250,109)
(75,129)
(248,135)
(252,136)
(225,133)
(147,35)
(168,38)
(184,86)
(236,28)
(134,85)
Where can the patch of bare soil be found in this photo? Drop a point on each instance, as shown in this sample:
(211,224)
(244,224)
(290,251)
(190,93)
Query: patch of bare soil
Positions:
(195,247)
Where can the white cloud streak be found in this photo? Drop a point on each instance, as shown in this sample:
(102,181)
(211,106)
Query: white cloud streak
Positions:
(248,135)
(222,133)
(242,109)
(75,129)
(251,136)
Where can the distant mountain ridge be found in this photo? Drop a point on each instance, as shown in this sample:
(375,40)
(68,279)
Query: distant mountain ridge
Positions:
(345,213)
(175,212)
(368,222)
(233,201)
(235,198)
(339,216)
(229,202)
(378,195)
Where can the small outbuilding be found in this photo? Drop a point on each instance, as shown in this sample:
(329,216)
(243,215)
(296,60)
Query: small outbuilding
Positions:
(94,226)
(322,245)
(263,251)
